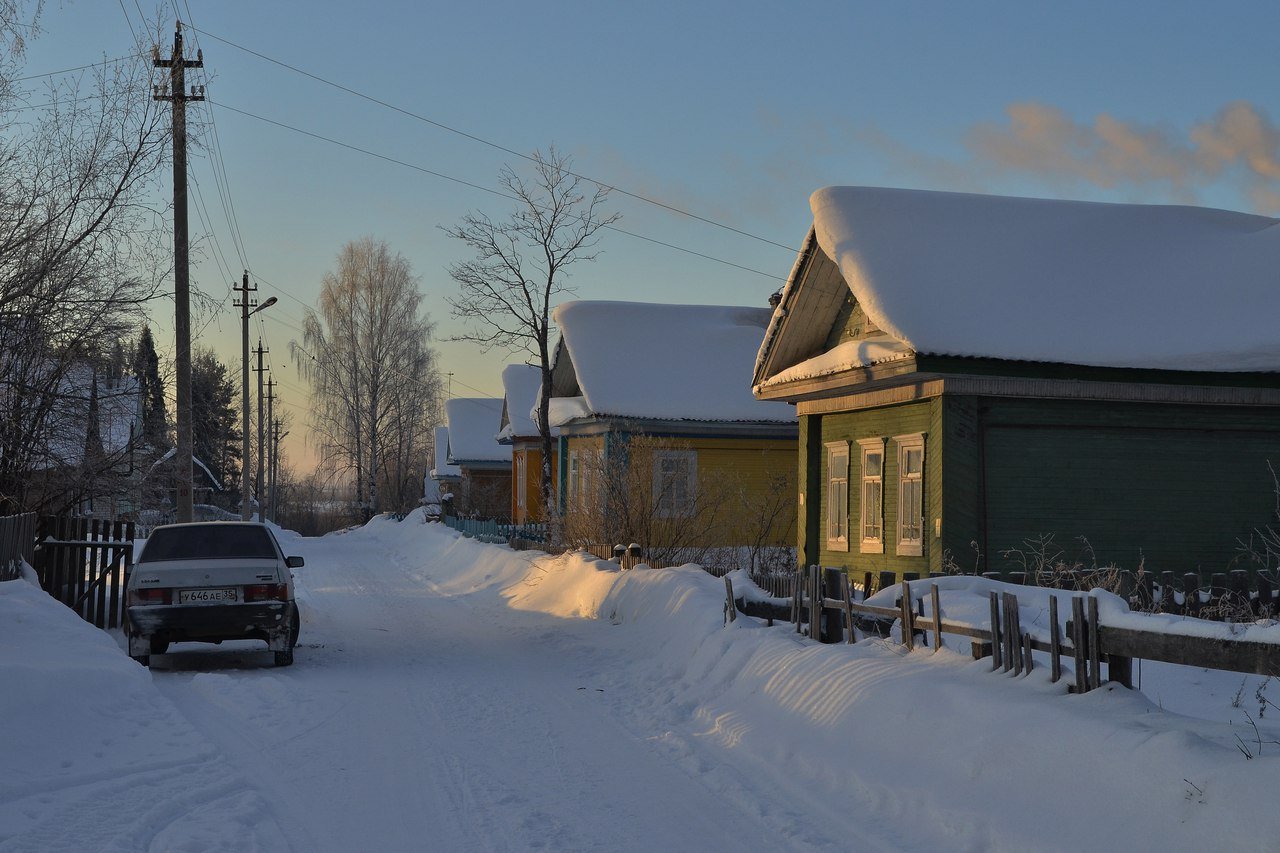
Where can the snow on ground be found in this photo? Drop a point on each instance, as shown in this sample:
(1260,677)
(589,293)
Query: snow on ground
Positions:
(450,695)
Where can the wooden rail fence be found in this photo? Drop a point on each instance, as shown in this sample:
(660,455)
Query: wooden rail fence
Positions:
(824,602)
(17,544)
(84,564)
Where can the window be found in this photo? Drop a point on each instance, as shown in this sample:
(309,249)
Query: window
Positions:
(675,478)
(871,509)
(522,484)
(837,496)
(575,479)
(910,494)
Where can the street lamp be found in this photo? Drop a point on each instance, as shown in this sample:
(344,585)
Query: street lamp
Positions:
(245,314)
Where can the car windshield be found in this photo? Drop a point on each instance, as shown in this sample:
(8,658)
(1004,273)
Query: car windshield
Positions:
(212,542)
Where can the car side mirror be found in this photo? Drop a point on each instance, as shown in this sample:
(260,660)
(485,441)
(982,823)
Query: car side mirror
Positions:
(294,562)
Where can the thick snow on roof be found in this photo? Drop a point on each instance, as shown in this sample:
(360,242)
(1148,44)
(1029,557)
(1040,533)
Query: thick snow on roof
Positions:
(473,423)
(862,353)
(1119,285)
(670,362)
(442,467)
(522,385)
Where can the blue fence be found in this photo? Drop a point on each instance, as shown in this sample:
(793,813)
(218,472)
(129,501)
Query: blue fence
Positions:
(489,530)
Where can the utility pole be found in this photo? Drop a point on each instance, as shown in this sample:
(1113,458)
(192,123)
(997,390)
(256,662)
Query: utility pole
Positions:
(176,94)
(275,465)
(244,304)
(271,448)
(258,490)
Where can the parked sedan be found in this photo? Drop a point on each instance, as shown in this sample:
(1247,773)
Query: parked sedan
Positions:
(209,582)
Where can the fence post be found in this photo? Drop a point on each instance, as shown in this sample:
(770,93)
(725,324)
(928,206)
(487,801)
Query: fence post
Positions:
(937,616)
(996,641)
(730,606)
(1078,643)
(1095,653)
(908,616)
(1055,641)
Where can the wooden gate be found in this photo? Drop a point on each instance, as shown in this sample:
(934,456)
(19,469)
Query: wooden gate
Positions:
(84,564)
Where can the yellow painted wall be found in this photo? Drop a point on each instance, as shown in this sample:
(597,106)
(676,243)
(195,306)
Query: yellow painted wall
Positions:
(533,511)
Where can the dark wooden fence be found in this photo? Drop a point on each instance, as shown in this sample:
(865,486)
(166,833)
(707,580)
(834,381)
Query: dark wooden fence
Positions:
(83,563)
(17,544)
(825,605)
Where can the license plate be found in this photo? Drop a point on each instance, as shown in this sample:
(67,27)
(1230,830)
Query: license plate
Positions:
(207,596)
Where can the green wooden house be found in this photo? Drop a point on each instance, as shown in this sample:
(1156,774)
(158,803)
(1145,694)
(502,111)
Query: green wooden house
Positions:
(979,379)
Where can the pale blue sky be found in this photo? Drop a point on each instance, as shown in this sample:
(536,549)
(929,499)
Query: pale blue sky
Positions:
(733,110)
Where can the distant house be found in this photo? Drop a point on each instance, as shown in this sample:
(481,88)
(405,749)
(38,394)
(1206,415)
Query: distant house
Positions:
(443,479)
(158,491)
(522,386)
(484,465)
(655,400)
(974,374)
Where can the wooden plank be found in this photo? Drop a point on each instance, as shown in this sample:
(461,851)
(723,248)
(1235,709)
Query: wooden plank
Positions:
(1206,652)
(1095,653)
(104,566)
(1055,642)
(113,603)
(937,616)
(995,631)
(1015,631)
(847,590)
(908,614)
(1028,658)
(1077,640)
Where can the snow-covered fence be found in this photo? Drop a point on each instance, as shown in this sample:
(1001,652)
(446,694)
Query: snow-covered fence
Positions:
(84,564)
(492,531)
(17,543)
(1100,630)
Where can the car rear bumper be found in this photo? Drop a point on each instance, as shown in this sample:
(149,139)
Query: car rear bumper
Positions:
(176,623)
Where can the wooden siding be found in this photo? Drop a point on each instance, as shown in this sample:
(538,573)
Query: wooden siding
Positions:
(851,324)
(925,417)
(532,453)
(818,294)
(1172,488)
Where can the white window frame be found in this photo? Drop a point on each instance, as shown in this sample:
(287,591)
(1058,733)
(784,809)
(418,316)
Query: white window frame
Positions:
(910,497)
(575,479)
(871,544)
(665,503)
(837,504)
(522,483)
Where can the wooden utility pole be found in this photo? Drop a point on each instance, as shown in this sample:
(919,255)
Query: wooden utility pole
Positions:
(271,448)
(244,304)
(275,464)
(258,485)
(176,94)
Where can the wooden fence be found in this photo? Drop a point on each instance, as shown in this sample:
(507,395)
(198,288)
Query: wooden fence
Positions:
(17,544)
(824,600)
(84,564)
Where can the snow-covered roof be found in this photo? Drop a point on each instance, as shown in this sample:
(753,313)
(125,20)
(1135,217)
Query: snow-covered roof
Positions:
(473,423)
(442,468)
(669,362)
(195,460)
(1117,285)
(521,385)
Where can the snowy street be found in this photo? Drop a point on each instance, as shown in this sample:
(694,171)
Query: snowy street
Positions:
(450,695)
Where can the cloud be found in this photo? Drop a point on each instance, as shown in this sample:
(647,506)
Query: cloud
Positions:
(1239,145)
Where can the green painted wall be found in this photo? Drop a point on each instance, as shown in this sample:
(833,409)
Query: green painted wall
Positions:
(1170,487)
(884,422)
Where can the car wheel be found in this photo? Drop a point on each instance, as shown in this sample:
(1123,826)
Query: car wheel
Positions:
(145,660)
(284,658)
(159,646)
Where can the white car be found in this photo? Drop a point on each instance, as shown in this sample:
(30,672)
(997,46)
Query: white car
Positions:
(209,582)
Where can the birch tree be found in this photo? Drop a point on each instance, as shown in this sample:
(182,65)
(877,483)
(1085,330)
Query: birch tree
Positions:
(374,379)
(521,263)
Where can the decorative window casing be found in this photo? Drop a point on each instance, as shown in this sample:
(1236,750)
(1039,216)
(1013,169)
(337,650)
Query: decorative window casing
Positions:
(522,484)
(675,482)
(575,479)
(871,505)
(910,494)
(837,495)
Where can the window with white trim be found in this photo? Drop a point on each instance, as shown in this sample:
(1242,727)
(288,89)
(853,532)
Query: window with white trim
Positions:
(575,479)
(871,507)
(910,494)
(675,480)
(522,483)
(837,495)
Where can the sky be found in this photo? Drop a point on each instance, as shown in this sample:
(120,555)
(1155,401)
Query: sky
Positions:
(733,111)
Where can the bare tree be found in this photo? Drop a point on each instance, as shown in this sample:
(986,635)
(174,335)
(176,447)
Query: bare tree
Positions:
(81,252)
(508,290)
(375,383)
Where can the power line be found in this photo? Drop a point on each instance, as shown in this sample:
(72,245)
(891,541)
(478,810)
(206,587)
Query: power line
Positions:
(473,137)
(69,70)
(472,185)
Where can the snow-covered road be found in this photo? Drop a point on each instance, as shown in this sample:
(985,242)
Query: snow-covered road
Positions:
(455,696)
(418,718)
